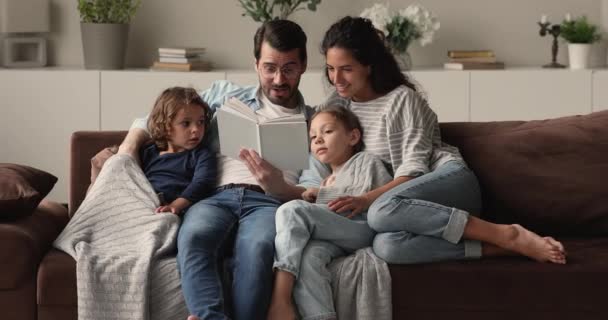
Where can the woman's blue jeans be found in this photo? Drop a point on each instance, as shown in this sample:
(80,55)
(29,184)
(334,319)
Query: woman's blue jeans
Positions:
(205,228)
(423,220)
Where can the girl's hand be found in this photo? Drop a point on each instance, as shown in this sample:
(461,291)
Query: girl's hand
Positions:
(355,204)
(169,208)
(310,194)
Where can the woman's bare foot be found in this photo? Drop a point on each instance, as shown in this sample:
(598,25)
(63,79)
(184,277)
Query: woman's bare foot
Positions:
(531,245)
(192,318)
(281,310)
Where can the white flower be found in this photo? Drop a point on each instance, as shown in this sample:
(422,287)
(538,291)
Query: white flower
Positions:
(378,15)
(421,24)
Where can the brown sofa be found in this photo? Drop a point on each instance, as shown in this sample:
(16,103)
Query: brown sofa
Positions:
(547,175)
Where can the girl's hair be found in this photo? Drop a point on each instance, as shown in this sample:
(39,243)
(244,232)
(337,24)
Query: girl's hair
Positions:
(166,107)
(347,118)
(367,45)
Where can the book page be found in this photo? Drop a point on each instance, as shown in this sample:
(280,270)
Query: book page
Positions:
(235,132)
(293,118)
(237,107)
(285,145)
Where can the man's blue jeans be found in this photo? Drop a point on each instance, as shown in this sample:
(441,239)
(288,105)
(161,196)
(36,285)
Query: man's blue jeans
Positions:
(205,228)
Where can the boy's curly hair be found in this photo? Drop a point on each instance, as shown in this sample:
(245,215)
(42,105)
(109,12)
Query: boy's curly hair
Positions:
(166,107)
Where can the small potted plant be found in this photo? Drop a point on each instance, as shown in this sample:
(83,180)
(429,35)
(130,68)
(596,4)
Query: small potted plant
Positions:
(580,34)
(264,10)
(104,28)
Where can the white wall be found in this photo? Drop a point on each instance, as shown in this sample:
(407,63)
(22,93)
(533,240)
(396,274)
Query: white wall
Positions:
(507,27)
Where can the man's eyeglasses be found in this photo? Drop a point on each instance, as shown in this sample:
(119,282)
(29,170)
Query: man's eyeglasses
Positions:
(269,71)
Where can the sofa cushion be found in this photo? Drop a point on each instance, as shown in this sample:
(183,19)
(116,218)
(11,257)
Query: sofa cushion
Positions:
(21,189)
(506,287)
(547,175)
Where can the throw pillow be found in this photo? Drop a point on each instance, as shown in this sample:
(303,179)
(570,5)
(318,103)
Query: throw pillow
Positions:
(547,175)
(21,189)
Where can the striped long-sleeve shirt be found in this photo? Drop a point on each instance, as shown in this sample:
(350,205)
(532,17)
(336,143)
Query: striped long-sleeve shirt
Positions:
(402,130)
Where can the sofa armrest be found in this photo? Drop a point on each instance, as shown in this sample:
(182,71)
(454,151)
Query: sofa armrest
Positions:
(25,241)
(85,145)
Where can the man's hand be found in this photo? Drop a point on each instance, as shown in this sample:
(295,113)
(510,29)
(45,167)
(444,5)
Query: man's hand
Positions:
(310,194)
(267,175)
(355,204)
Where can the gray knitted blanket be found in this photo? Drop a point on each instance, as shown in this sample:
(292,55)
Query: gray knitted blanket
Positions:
(124,252)
(361,284)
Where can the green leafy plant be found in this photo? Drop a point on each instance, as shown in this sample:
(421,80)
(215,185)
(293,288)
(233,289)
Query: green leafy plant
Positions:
(107,11)
(265,10)
(579,30)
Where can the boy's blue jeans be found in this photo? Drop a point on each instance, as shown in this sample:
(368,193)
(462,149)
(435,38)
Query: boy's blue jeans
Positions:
(205,228)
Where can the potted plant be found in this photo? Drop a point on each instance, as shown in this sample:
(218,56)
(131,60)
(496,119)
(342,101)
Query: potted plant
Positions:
(580,34)
(104,28)
(264,10)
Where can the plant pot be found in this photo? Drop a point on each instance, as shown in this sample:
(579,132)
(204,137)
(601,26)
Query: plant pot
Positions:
(104,45)
(578,55)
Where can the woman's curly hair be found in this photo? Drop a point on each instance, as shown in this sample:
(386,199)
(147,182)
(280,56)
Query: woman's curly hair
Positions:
(166,107)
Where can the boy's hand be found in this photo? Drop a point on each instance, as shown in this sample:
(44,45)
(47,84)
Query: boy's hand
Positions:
(310,194)
(168,208)
(355,204)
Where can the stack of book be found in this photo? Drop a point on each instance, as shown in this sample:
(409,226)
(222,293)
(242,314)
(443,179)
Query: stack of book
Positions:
(181,59)
(472,60)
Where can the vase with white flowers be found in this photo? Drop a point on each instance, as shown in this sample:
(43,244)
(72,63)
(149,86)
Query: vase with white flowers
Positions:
(402,28)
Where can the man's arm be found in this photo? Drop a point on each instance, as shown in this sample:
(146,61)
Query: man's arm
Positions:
(136,137)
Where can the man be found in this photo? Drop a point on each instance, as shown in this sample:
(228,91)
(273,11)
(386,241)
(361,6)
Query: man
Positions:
(240,202)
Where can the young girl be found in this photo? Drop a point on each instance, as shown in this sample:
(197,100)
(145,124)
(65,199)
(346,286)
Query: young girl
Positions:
(303,227)
(177,164)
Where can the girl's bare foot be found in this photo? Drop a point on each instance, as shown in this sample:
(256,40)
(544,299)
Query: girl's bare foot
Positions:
(192,318)
(531,245)
(281,310)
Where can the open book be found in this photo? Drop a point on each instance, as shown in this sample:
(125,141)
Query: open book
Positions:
(281,141)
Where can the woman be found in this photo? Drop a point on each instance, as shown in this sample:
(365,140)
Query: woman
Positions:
(425,213)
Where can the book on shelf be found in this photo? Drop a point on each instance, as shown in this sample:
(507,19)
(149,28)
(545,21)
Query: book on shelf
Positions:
(282,141)
(474,59)
(470,53)
(184,51)
(174,59)
(473,65)
(191,66)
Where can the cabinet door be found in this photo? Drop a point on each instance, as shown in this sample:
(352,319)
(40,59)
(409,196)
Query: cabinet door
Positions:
(529,94)
(126,95)
(40,111)
(600,90)
(446,91)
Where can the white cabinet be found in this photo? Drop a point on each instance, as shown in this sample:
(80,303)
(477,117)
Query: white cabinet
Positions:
(126,95)
(600,90)
(447,93)
(529,94)
(39,110)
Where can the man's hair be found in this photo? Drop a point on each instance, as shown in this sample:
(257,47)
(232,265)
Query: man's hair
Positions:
(282,35)
(166,107)
(348,119)
(367,46)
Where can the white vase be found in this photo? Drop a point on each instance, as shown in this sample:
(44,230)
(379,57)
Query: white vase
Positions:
(578,55)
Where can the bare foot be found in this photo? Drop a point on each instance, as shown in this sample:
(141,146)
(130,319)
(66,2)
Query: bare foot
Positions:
(192,318)
(281,310)
(531,245)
